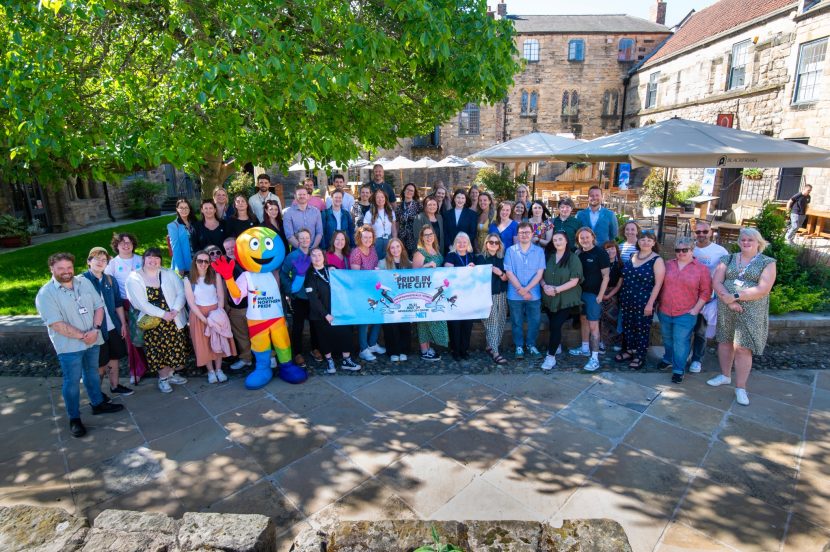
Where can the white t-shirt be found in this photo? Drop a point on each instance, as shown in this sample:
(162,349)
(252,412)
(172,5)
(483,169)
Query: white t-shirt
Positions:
(710,256)
(264,300)
(205,294)
(382,224)
(120,268)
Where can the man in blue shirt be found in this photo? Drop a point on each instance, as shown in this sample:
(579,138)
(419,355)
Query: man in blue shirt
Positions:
(525,265)
(599,219)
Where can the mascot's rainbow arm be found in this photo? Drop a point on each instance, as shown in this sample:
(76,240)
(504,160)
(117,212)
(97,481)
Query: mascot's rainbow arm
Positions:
(235,292)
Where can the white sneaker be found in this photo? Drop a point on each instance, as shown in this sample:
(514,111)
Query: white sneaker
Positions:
(395,358)
(177,379)
(741,397)
(694,367)
(720,379)
(273,362)
(403,358)
(366,354)
(579,351)
(212,377)
(376,348)
(239,365)
(220,375)
(164,386)
(591,366)
(549,363)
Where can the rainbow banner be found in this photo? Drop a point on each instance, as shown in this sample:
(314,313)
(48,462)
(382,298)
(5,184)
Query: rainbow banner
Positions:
(411,295)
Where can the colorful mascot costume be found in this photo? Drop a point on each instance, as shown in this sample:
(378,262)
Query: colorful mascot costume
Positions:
(259,251)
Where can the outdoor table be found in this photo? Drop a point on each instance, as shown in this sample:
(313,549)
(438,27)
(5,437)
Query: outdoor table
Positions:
(816,221)
(702,204)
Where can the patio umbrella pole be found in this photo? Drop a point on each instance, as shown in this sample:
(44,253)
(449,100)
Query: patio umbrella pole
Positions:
(665,199)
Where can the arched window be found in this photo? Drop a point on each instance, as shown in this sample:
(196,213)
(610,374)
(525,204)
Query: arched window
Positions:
(566,103)
(524,102)
(468,120)
(626,50)
(530,103)
(531,49)
(610,103)
(534,102)
(576,50)
(570,104)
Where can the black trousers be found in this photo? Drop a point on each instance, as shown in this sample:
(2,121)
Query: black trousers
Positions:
(302,308)
(333,339)
(460,332)
(397,338)
(555,321)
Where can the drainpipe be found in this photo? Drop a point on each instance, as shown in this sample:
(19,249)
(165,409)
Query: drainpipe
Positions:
(624,97)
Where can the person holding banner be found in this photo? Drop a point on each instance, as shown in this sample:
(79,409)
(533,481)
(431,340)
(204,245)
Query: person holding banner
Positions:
(461,255)
(525,265)
(332,338)
(396,336)
(562,291)
(429,256)
(494,325)
(364,257)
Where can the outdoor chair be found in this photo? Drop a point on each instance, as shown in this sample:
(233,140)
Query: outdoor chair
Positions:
(670,226)
(727,235)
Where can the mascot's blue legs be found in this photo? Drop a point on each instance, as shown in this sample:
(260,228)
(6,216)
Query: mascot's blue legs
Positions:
(262,373)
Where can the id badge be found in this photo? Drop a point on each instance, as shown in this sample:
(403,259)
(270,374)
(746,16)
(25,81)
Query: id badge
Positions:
(739,284)
(82,310)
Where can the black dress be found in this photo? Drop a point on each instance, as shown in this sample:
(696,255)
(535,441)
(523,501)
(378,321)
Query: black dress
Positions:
(460,330)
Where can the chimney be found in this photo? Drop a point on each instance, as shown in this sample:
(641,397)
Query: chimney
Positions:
(658,12)
(501,9)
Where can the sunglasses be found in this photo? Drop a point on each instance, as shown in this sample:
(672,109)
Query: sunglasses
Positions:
(202,261)
(214,253)
(682,250)
(701,231)
(428,234)
(491,242)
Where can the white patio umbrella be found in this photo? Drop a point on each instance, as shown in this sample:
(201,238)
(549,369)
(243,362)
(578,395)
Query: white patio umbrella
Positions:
(480,165)
(680,143)
(451,162)
(424,163)
(533,147)
(399,164)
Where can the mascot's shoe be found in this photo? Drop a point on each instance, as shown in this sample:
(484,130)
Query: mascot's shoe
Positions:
(292,373)
(262,373)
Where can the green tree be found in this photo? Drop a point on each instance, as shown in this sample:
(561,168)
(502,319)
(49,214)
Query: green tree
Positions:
(106,87)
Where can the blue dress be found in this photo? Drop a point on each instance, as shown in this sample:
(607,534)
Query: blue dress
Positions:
(638,283)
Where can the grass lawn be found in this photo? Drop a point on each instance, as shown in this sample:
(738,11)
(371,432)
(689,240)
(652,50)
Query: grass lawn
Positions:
(23,272)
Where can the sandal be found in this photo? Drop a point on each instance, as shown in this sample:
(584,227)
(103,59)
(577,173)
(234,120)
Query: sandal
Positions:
(636,364)
(623,356)
(497,358)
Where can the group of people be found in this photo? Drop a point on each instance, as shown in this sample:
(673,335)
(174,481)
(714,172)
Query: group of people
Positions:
(562,265)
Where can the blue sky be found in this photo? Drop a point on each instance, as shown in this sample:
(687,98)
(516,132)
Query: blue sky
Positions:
(675,9)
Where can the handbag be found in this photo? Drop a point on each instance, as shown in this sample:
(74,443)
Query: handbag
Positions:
(147,322)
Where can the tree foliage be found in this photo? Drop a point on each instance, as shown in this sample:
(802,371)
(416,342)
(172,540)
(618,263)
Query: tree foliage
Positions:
(112,86)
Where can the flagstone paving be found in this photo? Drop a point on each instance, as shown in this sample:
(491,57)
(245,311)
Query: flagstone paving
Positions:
(681,467)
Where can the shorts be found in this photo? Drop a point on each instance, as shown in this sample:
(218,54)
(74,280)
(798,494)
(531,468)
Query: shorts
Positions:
(113,348)
(590,308)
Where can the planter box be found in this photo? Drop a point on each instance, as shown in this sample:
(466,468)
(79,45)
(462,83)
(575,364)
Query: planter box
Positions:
(15,241)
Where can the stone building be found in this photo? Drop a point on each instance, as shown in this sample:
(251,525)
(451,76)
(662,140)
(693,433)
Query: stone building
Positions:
(572,83)
(758,66)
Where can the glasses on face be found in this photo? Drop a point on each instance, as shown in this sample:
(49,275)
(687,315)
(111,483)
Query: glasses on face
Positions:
(682,250)
(701,231)
(214,253)
(491,242)
(202,261)
(525,232)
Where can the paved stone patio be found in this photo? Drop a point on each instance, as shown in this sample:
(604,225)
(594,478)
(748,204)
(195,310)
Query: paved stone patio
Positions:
(682,468)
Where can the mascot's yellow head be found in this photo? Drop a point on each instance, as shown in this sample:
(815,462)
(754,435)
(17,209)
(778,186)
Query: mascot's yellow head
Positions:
(259,250)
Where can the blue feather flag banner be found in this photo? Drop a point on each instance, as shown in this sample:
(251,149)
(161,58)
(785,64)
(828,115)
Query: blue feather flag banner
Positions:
(410,295)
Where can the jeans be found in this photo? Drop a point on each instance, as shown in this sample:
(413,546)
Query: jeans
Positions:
(74,365)
(367,335)
(677,338)
(699,339)
(795,223)
(519,311)
(380,247)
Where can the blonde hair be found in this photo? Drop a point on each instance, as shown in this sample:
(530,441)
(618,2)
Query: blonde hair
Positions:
(389,261)
(500,252)
(756,235)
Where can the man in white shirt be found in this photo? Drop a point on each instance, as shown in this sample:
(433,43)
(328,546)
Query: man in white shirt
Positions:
(257,201)
(348,199)
(709,254)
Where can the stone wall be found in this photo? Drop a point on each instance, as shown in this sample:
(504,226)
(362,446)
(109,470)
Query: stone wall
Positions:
(695,85)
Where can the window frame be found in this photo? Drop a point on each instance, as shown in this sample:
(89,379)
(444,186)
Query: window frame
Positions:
(528,50)
(651,89)
(631,52)
(576,50)
(733,65)
(472,112)
(816,74)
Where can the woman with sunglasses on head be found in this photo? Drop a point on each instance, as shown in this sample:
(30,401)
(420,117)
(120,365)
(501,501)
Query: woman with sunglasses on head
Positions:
(493,254)
(642,280)
(333,339)
(242,219)
(428,255)
(181,235)
(687,286)
(206,300)
(396,336)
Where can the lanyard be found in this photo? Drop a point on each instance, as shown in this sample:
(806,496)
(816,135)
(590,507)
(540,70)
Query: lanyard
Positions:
(743,271)
(323,276)
(464,259)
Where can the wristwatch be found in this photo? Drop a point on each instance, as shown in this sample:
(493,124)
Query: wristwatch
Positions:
(736,296)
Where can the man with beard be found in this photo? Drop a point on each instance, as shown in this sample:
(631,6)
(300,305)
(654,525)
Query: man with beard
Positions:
(708,254)
(599,219)
(73,313)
